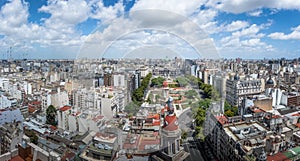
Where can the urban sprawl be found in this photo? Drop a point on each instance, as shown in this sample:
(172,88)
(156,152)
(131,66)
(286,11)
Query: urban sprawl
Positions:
(150,109)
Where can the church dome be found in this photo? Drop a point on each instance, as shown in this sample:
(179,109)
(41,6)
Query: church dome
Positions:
(171,123)
(270,81)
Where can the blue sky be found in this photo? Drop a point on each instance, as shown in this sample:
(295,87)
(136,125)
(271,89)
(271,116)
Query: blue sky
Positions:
(49,29)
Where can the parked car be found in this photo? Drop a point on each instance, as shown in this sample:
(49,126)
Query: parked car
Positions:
(100,146)
(106,147)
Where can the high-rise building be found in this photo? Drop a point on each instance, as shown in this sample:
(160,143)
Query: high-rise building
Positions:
(237,90)
(10,136)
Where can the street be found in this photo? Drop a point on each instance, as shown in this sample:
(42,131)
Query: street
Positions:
(191,146)
(194,146)
(185,120)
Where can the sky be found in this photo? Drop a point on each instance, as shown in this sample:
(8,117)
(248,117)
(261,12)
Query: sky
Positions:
(60,29)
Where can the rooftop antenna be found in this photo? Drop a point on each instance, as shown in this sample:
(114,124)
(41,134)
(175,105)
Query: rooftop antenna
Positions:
(9,53)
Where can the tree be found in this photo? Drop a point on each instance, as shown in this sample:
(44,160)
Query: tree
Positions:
(200,82)
(182,81)
(138,94)
(227,106)
(229,113)
(235,110)
(199,120)
(31,134)
(157,82)
(184,135)
(205,103)
(215,95)
(51,115)
(229,110)
(200,116)
(192,79)
(132,108)
(190,94)
(34,138)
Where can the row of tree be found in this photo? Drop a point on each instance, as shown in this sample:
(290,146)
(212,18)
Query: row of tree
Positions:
(210,94)
(200,114)
(208,90)
(138,94)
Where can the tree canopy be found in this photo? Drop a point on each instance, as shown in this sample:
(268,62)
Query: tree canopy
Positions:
(51,115)
(229,110)
(190,94)
(205,103)
(138,94)
(194,80)
(182,81)
(157,82)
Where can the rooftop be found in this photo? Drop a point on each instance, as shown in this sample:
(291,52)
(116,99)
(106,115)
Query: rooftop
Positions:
(65,108)
(222,119)
(291,154)
(171,123)
(105,137)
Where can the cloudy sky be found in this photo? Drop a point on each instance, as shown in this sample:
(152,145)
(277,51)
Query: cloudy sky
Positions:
(250,29)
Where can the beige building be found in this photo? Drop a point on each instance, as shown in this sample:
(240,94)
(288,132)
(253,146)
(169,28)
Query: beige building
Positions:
(237,90)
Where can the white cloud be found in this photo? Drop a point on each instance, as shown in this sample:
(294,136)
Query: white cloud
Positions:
(256,13)
(236,25)
(182,9)
(245,40)
(252,42)
(12,16)
(252,31)
(240,6)
(295,34)
(206,20)
(57,30)
(185,8)
(142,20)
(65,13)
(105,14)
(60,29)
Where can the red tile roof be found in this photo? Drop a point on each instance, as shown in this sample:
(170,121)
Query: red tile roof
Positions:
(134,145)
(274,117)
(35,102)
(222,119)
(148,141)
(53,127)
(68,156)
(155,116)
(98,117)
(296,114)
(65,108)
(172,123)
(17,158)
(278,157)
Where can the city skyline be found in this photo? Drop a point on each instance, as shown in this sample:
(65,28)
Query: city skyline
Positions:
(59,29)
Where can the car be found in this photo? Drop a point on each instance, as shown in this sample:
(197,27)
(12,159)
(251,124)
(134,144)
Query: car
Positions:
(100,146)
(106,147)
